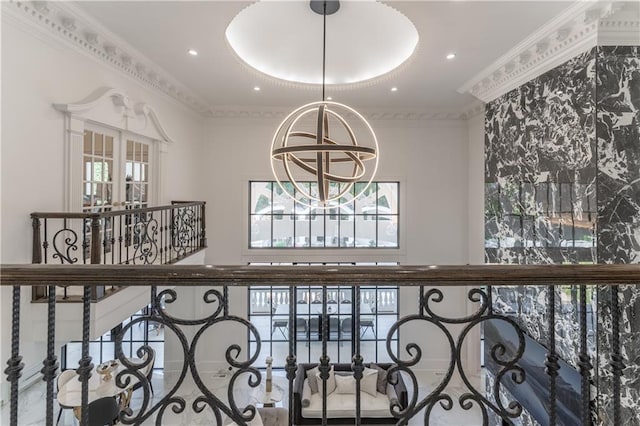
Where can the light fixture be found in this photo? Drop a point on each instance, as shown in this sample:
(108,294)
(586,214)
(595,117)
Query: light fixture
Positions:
(451,56)
(394,89)
(256,88)
(329,98)
(334,167)
(192,52)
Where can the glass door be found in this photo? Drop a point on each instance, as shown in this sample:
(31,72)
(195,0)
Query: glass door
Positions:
(116,176)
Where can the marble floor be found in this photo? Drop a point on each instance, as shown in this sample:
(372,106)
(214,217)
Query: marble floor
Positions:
(32,403)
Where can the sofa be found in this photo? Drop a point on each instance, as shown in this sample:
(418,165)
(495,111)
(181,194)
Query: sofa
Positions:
(341,401)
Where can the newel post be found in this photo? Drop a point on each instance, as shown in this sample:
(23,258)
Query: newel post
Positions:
(36,253)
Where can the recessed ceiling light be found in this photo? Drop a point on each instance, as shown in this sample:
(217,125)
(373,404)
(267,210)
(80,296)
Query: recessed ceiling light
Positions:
(451,56)
(256,88)
(394,89)
(193,52)
(329,98)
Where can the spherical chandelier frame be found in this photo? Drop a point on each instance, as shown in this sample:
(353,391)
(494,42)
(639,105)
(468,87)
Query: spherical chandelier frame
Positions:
(324,147)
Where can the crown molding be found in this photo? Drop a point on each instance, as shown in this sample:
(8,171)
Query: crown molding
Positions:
(622,28)
(65,22)
(415,115)
(579,28)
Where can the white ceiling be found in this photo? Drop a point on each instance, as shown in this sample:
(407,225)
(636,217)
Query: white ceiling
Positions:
(478,31)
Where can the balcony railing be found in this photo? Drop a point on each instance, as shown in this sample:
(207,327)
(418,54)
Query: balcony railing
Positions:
(495,405)
(154,235)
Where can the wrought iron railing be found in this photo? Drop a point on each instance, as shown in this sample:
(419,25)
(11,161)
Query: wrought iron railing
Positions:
(495,406)
(153,235)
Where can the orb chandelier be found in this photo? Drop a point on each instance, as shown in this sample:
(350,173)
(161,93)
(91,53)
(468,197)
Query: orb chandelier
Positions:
(316,143)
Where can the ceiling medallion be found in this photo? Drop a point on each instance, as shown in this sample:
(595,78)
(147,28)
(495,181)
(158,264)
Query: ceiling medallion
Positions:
(335,166)
(366,41)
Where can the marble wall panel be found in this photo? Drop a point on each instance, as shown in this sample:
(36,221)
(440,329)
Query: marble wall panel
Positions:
(618,161)
(540,197)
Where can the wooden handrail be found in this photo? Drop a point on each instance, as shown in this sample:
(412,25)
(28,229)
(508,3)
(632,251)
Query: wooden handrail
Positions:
(243,275)
(72,215)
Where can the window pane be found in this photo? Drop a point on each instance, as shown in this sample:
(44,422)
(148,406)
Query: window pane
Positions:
(88,142)
(87,168)
(347,231)
(261,197)
(387,231)
(145,153)
(365,232)
(331,229)
(98,149)
(261,231)
(282,231)
(108,147)
(302,231)
(388,198)
(317,230)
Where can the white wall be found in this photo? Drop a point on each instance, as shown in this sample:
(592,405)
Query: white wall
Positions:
(37,72)
(475,186)
(428,158)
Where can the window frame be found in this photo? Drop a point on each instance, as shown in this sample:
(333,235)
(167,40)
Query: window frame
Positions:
(329,214)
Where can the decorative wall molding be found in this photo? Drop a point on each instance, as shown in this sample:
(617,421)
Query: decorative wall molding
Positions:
(621,29)
(579,28)
(67,23)
(135,116)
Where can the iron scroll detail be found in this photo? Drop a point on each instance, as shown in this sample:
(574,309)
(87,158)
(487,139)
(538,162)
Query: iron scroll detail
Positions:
(505,360)
(173,399)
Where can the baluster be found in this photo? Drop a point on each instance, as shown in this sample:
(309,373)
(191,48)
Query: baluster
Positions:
(552,358)
(617,365)
(112,240)
(104,240)
(85,242)
(38,292)
(162,234)
(324,359)
(584,361)
(357,362)
(45,243)
(95,239)
(290,366)
(225,295)
(36,252)
(120,239)
(50,364)
(85,366)
(203,228)
(15,364)
(171,231)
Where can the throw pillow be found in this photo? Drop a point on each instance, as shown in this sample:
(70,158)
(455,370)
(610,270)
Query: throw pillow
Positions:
(331,382)
(345,384)
(369,381)
(306,394)
(311,376)
(381,383)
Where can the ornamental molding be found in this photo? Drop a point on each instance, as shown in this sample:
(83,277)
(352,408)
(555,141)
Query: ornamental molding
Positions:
(579,28)
(113,107)
(465,113)
(66,23)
